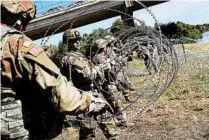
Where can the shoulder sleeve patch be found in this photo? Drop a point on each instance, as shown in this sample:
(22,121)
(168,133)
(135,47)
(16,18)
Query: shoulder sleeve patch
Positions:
(27,45)
(36,50)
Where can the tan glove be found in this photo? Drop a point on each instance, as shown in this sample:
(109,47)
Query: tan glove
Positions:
(97,106)
(96,72)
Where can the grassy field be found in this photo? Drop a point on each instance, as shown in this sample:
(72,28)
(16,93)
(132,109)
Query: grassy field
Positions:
(198,47)
(182,112)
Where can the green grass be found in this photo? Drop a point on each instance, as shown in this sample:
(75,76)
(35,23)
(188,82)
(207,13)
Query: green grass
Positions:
(192,82)
(138,64)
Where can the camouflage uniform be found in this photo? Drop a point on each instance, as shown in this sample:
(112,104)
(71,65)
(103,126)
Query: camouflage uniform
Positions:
(77,68)
(104,57)
(26,69)
(123,83)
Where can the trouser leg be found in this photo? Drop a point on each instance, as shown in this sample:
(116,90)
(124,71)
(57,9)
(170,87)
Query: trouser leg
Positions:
(109,130)
(115,104)
(87,131)
(111,98)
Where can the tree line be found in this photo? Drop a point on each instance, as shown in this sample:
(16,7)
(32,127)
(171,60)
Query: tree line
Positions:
(179,29)
(171,30)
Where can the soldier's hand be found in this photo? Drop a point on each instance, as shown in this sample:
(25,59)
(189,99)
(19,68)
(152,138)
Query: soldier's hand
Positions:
(96,72)
(97,106)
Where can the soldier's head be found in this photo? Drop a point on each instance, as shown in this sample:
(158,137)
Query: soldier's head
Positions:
(72,38)
(101,45)
(109,38)
(17,13)
(113,42)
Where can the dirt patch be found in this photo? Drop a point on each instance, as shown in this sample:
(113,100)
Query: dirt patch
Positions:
(174,120)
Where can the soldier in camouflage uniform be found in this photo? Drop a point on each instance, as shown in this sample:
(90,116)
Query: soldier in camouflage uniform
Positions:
(74,64)
(105,56)
(77,68)
(29,75)
(124,83)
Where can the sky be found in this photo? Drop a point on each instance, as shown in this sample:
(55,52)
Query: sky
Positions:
(191,12)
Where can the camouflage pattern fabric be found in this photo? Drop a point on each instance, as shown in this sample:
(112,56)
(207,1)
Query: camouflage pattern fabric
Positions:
(117,80)
(87,130)
(19,7)
(38,83)
(76,66)
(123,83)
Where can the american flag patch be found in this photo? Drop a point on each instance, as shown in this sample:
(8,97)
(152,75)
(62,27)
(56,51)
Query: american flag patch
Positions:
(36,50)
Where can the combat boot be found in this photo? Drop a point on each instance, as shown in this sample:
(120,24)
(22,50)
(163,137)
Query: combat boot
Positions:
(109,130)
(113,137)
(87,131)
(127,95)
(121,120)
(87,135)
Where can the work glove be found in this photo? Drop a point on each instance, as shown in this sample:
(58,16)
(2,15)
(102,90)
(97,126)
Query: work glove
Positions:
(98,71)
(95,72)
(97,106)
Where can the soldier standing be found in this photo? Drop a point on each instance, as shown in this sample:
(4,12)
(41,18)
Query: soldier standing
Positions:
(77,68)
(106,55)
(35,79)
(124,83)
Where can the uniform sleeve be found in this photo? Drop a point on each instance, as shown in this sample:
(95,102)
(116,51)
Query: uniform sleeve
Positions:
(65,96)
(48,79)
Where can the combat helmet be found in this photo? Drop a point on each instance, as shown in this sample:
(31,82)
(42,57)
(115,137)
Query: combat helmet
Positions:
(113,42)
(110,38)
(101,43)
(23,10)
(71,36)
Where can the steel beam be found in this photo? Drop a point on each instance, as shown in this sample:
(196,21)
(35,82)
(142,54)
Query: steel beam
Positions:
(77,17)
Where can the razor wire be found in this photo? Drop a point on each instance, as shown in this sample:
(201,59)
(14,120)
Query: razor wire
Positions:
(166,56)
(162,90)
(193,75)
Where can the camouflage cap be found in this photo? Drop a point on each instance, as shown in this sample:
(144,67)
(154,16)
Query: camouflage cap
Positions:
(101,43)
(20,6)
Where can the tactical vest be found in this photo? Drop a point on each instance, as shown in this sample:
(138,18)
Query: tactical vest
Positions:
(77,68)
(77,61)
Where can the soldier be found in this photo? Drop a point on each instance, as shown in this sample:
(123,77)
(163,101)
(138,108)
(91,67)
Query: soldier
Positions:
(125,84)
(35,79)
(106,56)
(76,67)
(75,60)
